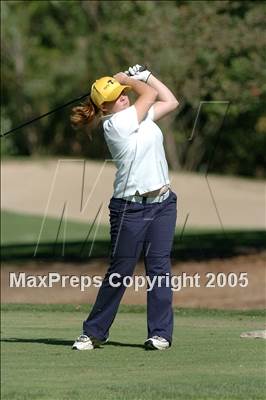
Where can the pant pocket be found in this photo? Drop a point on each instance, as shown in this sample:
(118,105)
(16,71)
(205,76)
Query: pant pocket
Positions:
(173,194)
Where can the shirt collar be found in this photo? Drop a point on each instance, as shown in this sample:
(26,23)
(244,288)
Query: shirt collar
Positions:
(105,117)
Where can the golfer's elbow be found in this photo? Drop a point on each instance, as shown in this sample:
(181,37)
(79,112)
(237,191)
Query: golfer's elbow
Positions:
(176,104)
(172,101)
(173,104)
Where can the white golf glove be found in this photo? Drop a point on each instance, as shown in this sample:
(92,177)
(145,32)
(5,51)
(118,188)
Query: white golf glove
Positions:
(138,72)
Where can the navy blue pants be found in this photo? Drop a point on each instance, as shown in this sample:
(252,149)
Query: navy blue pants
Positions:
(135,227)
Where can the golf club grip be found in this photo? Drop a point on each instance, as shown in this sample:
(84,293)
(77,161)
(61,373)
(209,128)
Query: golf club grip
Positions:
(143,68)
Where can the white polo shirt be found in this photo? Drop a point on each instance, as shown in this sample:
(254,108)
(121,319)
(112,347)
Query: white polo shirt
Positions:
(137,151)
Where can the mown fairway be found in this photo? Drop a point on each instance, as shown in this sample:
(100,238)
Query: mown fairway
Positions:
(208,360)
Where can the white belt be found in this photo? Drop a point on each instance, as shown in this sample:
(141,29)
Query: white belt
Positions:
(147,200)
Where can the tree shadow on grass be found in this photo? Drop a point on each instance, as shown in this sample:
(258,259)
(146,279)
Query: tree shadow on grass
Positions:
(61,342)
(197,245)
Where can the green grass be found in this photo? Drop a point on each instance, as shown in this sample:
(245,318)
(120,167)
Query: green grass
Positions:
(208,360)
(20,233)
(17,228)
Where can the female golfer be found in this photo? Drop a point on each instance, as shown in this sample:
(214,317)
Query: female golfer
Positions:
(142,207)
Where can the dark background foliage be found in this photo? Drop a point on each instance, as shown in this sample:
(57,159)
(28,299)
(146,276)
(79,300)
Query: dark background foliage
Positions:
(210,53)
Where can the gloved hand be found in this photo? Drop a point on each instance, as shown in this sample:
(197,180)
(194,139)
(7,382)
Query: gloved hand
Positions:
(138,72)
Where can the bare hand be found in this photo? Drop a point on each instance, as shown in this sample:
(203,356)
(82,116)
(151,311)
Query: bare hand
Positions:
(121,77)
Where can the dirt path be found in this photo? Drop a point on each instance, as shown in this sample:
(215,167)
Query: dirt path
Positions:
(250,297)
(39,187)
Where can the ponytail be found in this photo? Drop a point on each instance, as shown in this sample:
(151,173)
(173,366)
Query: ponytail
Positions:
(87,115)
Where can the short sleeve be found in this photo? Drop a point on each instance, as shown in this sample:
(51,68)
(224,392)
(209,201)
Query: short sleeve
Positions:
(123,122)
(150,113)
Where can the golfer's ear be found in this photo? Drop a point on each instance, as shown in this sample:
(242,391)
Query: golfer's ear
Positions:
(103,107)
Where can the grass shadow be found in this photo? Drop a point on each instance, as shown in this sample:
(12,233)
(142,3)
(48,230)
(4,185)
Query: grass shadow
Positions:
(120,344)
(191,246)
(50,341)
(62,342)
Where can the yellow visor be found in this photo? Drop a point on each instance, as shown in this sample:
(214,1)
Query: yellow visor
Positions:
(106,89)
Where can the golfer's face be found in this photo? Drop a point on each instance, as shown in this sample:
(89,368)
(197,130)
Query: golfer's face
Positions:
(121,103)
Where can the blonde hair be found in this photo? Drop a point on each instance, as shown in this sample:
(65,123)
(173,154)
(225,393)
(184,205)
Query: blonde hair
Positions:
(87,115)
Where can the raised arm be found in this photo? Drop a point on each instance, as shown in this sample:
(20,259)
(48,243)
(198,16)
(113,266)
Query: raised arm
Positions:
(147,94)
(167,101)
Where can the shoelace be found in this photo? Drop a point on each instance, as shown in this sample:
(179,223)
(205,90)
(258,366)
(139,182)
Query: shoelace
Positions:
(159,338)
(83,338)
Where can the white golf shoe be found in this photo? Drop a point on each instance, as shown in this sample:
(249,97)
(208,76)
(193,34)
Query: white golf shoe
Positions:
(85,342)
(156,343)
